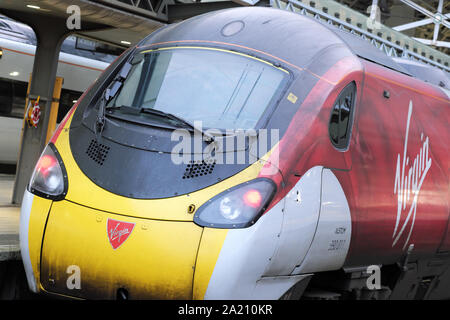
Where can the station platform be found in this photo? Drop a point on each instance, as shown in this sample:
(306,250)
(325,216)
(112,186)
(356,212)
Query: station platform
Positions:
(9,221)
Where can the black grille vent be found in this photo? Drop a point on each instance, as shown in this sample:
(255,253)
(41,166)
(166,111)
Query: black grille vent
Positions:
(199,168)
(97,152)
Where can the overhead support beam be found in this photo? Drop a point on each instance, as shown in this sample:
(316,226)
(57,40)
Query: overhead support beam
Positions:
(391,42)
(181,11)
(129,23)
(437,17)
(434,43)
(437,25)
(246,2)
(152,9)
(373,10)
(416,24)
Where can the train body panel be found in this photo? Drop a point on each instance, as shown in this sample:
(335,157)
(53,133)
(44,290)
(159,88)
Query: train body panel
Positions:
(329,248)
(10,139)
(33,215)
(358,175)
(398,181)
(78,72)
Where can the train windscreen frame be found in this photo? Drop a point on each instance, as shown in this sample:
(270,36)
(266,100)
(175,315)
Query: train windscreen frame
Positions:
(223,89)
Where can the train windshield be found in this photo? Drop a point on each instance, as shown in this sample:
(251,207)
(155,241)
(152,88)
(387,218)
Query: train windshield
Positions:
(221,89)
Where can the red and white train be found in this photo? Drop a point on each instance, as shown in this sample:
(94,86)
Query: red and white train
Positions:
(357,182)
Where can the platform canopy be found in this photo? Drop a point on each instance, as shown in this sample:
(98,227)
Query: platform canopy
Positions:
(116,22)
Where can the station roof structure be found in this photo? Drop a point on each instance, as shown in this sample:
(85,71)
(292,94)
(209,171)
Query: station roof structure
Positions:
(124,22)
(121,23)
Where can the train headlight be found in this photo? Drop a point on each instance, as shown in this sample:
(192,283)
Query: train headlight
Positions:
(49,179)
(238,207)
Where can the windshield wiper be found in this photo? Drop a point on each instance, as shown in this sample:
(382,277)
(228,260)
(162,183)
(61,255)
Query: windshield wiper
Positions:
(178,119)
(166,115)
(100,122)
(125,109)
(110,92)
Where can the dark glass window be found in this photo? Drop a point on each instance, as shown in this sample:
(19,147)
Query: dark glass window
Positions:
(6,97)
(222,89)
(13,97)
(66,102)
(341,117)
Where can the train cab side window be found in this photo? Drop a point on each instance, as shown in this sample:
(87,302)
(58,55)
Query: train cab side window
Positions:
(341,117)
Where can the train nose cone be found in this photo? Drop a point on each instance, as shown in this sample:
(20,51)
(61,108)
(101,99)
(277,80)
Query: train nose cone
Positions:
(92,254)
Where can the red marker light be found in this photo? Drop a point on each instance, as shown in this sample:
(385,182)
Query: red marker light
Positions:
(45,163)
(253,198)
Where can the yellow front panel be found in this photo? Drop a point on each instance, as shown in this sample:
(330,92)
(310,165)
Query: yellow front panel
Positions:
(208,253)
(156,261)
(39,212)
